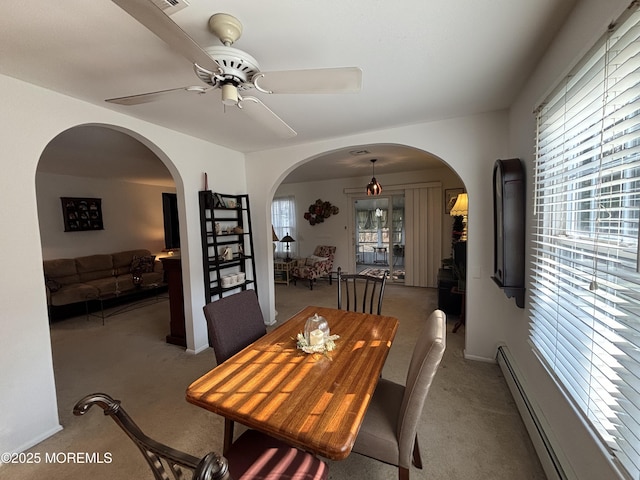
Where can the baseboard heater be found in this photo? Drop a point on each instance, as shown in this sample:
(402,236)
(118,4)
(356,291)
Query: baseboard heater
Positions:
(548,458)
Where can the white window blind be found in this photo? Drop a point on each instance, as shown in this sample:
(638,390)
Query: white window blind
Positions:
(585,285)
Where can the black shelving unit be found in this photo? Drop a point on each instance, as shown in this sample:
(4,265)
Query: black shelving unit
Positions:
(225,224)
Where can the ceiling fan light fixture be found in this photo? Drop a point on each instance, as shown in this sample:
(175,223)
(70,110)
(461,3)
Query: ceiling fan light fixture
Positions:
(374,188)
(232,70)
(229,94)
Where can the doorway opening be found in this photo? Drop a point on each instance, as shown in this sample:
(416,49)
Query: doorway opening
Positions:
(171,222)
(380,235)
(96,161)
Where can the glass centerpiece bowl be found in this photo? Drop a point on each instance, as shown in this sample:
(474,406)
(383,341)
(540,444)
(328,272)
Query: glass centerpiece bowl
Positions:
(316,330)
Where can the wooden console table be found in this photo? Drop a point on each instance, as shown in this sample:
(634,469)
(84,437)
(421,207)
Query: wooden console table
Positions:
(173,276)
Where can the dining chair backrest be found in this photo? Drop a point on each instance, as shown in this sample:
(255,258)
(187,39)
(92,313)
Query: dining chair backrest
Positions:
(254,456)
(426,357)
(234,322)
(358,292)
(161,458)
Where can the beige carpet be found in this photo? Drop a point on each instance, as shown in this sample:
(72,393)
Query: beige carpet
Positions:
(470,428)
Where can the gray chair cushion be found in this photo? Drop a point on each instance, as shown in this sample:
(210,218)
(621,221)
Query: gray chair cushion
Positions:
(378,436)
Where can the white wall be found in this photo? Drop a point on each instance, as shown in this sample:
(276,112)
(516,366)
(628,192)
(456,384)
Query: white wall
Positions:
(470,145)
(32,116)
(132,216)
(572,440)
(333,231)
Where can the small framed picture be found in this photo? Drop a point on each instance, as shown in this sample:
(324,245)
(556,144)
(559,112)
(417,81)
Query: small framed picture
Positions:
(450,196)
(218,201)
(81,214)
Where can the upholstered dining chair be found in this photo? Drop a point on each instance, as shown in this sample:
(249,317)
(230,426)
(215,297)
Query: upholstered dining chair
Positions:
(361,291)
(233,322)
(254,456)
(388,432)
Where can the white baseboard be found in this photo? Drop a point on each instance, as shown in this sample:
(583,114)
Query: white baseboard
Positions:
(478,358)
(198,350)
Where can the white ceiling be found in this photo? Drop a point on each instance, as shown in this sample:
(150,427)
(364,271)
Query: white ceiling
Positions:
(421,60)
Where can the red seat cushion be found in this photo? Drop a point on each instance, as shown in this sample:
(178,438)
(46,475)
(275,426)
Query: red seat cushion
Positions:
(255,456)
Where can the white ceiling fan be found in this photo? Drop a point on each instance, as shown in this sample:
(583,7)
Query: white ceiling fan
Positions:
(234,71)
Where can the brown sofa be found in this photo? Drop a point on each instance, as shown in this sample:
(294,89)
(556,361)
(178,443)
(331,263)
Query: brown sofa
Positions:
(72,280)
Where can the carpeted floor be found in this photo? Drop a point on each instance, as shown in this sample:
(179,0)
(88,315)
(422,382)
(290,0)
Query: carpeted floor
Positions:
(470,428)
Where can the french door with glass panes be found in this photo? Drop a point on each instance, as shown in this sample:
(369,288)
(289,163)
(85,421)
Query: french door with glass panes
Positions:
(379,235)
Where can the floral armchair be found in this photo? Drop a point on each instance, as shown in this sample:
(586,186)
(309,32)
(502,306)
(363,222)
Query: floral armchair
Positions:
(320,264)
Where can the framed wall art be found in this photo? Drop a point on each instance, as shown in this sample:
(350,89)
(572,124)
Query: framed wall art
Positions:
(450,196)
(82,214)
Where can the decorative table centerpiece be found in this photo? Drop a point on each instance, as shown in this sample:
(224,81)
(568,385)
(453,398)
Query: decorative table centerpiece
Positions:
(316,337)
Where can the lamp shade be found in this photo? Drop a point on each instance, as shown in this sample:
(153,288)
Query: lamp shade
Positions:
(287,239)
(274,237)
(461,207)
(374,188)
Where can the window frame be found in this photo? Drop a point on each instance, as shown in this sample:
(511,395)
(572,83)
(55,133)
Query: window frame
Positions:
(286,227)
(584,313)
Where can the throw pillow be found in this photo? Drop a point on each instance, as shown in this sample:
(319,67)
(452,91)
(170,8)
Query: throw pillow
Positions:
(313,259)
(142,264)
(51,284)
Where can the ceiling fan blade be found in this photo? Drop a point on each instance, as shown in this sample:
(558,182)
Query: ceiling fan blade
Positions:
(322,80)
(262,114)
(153,96)
(152,17)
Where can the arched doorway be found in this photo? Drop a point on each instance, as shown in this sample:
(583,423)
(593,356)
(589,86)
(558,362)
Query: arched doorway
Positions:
(99,161)
(102,161)
(340,176)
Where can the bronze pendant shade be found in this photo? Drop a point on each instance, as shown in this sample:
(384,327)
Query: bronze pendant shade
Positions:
(374,188)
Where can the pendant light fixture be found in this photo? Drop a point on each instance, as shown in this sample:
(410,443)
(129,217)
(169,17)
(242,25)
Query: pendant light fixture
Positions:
(374,188)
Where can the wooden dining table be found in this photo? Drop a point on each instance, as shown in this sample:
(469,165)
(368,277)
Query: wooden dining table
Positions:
(313,401)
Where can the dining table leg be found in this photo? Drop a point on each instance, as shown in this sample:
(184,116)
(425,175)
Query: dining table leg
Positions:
(228,435)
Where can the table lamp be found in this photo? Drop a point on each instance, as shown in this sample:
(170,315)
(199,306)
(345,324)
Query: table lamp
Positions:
(461,208)
(287,239)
